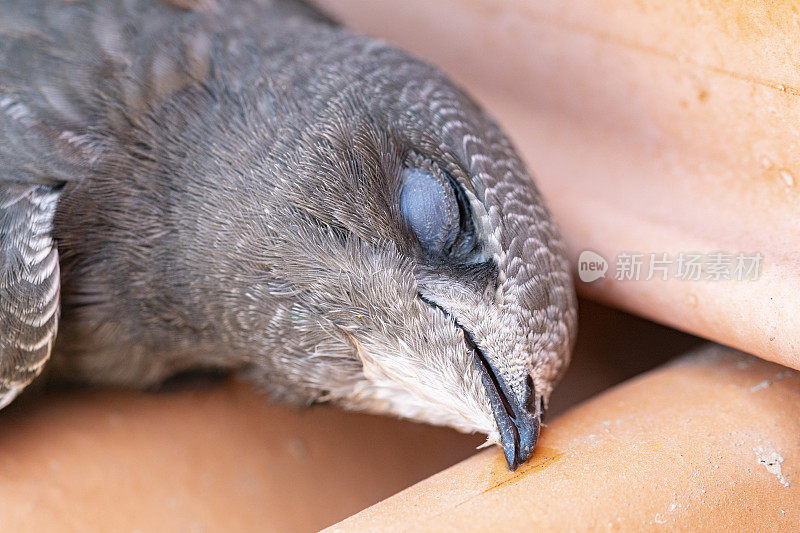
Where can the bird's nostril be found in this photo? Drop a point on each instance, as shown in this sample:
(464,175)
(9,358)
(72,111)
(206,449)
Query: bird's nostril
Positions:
(530,395)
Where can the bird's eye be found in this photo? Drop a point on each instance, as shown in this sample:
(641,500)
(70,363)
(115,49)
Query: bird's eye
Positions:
(429,204)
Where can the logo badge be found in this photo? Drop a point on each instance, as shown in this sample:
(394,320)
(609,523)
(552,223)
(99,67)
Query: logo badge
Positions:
(591,266)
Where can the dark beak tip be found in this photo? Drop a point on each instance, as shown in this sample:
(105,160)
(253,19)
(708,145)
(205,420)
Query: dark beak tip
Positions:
(528,436)
(517,425)
(519,443)
(510,453)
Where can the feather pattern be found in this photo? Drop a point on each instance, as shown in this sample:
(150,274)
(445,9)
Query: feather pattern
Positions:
(29,284)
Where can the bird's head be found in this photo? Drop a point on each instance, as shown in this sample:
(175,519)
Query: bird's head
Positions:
(416,268)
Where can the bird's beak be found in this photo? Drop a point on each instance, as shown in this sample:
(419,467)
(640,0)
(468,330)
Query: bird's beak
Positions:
(517,422)
(518,426)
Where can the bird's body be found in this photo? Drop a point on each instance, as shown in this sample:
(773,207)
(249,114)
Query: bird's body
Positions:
(222,184)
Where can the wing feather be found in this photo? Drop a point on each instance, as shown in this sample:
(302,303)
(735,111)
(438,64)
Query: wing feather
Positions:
(29,284)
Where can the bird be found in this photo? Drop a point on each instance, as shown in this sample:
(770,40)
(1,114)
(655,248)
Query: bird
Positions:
(249,187)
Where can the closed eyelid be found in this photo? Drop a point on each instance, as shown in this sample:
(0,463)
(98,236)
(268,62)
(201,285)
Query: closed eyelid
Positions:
(429,204)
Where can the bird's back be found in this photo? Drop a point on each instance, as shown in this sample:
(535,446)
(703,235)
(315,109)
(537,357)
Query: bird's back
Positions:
(74,74)
(89,91)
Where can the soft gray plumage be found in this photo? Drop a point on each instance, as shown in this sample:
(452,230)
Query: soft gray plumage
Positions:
(223,183)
